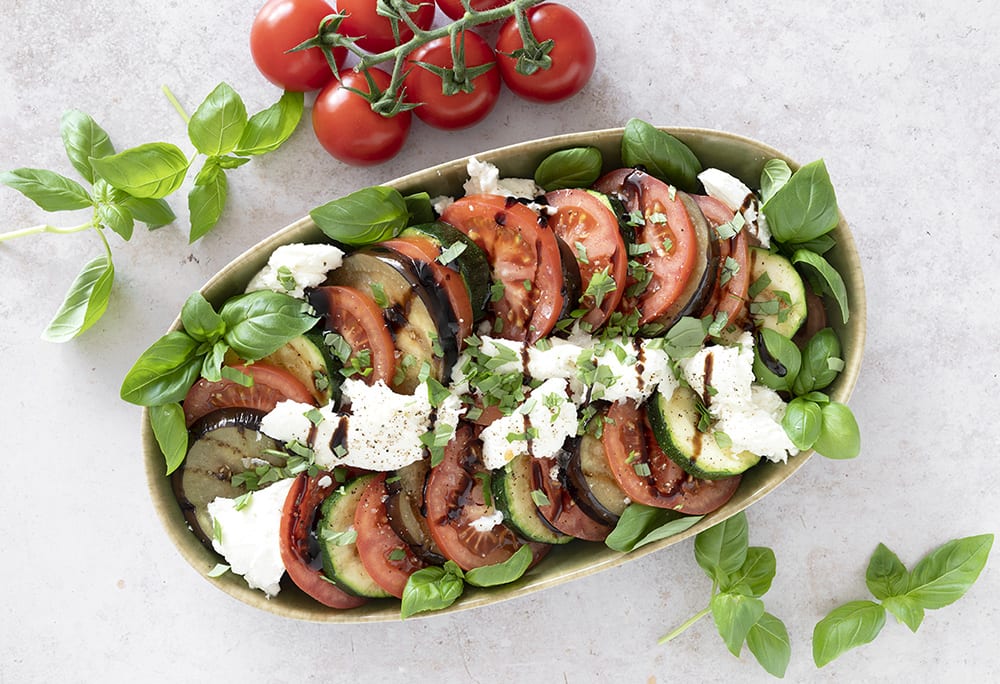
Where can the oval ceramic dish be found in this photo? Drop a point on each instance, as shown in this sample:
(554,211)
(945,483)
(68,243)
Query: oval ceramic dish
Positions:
(740,156)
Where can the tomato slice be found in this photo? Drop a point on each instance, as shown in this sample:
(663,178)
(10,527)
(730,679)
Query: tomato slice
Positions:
(387,558)
(357,318)
(526,261)
(297,540)
(590,228)
(730,297)
(667,234)
(270,385)
(629,444)
(562,511)
(454,499)
(424,252)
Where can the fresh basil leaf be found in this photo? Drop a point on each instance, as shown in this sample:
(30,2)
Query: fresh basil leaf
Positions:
(640,525)
(886,575)
(840,437)
(805,207)
(905,610)
(170,430)
(722,549)
(821,362)
(258,323)
(420,209)
(820,245)
(431,588)
(152,170)
(116,217)
(773,177)
(200,319)
(267,130)
(49,190)
(803,422)
(219,121)
(364,217)
(661,154)
(230,162)
(85,303)
(769,643)
(501,573)
(755,575)
(207,199)
(163,373)
(576,167)
(83,139)
(212,366)
(833,283)
(944,575)
(155,213)
(734,615)
(685,338)
(849,626)
(776,360)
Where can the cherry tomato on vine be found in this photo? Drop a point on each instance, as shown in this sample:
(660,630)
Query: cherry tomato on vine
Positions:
(454,9)
(573,55)
(348,128)
(445,104)
(279,26)
(373,31)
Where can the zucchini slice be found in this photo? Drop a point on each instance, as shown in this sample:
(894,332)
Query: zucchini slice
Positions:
(471,263)
(674,420)
(305,358)
(419,316)
(779,300)
(341,562)
(512,495)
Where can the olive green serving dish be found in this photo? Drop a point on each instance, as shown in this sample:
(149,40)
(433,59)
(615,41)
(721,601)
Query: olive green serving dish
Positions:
(739,156)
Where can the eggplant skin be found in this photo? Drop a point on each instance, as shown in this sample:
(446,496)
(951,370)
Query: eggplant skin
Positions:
(572,287)
(222,444)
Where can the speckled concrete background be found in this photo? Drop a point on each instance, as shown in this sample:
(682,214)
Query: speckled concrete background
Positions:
(900,98)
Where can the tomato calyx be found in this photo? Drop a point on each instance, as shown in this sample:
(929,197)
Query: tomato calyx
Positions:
(327,39)
(459,78)
(533,56)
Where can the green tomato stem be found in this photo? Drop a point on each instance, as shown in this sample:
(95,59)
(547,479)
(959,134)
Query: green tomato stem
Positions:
(44,228)
(687,623)
(399,53)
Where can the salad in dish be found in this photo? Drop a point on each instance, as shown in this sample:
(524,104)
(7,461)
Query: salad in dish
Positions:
(449,387)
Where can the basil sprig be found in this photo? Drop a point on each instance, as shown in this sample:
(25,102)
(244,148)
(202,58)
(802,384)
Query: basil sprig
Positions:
(575,167)
(803,207)
(363,217)
(437,587)
(132,186)
(252,325)
(640,525)
(939,579)
(741,574)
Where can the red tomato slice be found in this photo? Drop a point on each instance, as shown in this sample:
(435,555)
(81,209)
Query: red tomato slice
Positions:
(525,258)
(562,511)
(387,558)
(297,520)
(357,318)
(454,498)
(590,228)
(423,251)
(730,297)
(629,443)
(668,234)
(270,385)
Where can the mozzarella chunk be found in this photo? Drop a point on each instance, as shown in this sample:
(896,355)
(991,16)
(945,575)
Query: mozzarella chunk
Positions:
(384,428)
(249,538)
(484,178)
(293,268)
(487,522)
(732,192)
(749,414)
(539,427)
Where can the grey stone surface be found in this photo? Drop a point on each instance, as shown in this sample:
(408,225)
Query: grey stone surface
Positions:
(901,100)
